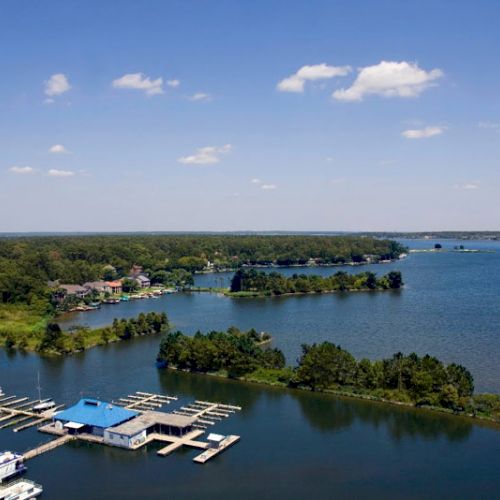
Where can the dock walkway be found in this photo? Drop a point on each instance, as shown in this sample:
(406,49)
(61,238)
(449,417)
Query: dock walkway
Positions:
(212,452)
(48,446)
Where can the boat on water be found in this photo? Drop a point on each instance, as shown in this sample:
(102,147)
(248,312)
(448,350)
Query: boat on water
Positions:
(11,464)
(124,298)
(43,404)
(1,392)
(22,489)
(112,301)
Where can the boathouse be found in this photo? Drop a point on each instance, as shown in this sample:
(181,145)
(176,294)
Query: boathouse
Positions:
(134,432)
(92,416)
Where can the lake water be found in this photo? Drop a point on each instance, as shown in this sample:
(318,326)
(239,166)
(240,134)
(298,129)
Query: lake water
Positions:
(294,444)
(450,308)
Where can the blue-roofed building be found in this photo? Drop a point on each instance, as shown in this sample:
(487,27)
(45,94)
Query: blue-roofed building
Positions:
(92,416)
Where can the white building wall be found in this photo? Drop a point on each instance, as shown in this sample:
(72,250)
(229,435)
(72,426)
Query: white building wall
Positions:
(115,439)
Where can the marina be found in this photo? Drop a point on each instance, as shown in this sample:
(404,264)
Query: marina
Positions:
(130,422)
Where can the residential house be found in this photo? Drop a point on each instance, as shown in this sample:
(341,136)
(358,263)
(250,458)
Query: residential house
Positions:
(114,286)
(143,281)
(98,286)
(76,290)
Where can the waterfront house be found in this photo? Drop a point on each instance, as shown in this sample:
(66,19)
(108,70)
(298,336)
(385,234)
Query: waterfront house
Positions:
(98,286)
(92,416)
(76,290)
(143,281)
(114,286)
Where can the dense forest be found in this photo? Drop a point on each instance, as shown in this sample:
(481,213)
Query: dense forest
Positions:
(28,263)
(411,379)
(233,351)
(251,280)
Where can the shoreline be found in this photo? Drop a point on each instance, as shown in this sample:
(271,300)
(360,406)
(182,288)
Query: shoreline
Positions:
(478,419)
(250,294)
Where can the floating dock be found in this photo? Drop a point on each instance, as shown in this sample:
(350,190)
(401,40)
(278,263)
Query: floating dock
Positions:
(212,452)
(130,422)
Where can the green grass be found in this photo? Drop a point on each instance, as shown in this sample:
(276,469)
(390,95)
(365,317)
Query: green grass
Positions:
(22,324)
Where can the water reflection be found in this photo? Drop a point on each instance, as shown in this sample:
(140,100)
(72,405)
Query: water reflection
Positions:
(331,414)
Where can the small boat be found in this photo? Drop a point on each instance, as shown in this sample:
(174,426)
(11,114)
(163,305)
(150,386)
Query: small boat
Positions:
(23,489)
(124,298)
(11,464)
(112,301)
(95,305)
(43,404)
(1,392)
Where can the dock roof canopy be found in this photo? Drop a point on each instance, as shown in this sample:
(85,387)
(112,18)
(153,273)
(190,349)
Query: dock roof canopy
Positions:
(96,413)
(151,418)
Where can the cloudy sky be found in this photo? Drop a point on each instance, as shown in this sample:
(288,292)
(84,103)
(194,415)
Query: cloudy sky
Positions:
(249,115)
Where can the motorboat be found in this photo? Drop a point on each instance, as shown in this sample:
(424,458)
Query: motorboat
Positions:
(23,489)
(11,464)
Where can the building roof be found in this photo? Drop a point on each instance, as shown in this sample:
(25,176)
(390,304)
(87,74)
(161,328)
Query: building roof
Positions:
(114,283)
(73,288)
(95,284)
(150,418)
(142,278)
(96,413)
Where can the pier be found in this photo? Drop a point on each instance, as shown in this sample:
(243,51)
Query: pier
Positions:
(22,407)
(49,446)
(130,422)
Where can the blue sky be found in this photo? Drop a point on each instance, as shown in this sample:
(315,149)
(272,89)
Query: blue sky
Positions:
(249,115)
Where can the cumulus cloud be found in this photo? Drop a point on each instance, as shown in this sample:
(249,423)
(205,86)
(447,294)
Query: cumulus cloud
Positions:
(423,133)
(58,149)
(206,156)
(57,84)
(22,170)
(268,187)
(389,79)
(173,83)
(470,186)
(200,96)
(296,82)
(139,81)
(60,173)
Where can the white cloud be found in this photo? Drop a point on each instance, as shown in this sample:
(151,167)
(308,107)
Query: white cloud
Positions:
(423,133)
(206,156)
(256,181)
(268,187)
(60,173)
(139,81)
(389,79)
(22,170)
(173,83)
(470,186)
(296,82)
(489,125)
(200,96)
(56,85)
(58,149)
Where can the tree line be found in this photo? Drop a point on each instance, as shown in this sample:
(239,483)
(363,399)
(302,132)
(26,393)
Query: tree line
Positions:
(413,379)
(251,280)
(55,341)
(233,351)
(28,263)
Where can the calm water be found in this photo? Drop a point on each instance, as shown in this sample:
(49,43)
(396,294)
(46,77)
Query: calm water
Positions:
(450,307)
(294,444)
